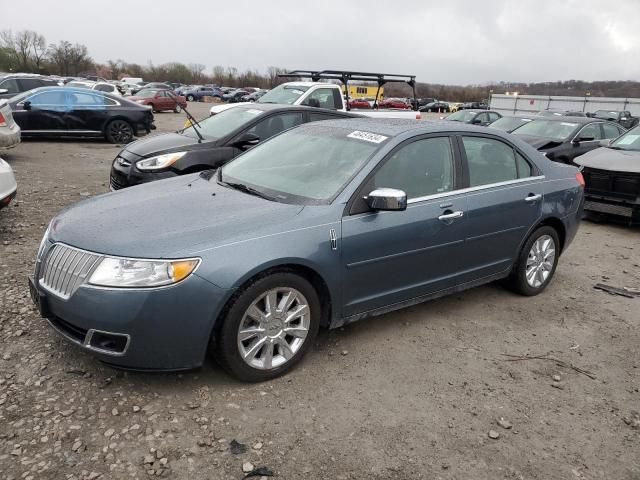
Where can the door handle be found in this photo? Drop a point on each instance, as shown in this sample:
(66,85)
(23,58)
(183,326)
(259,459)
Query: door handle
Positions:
(451,216)
(533,198)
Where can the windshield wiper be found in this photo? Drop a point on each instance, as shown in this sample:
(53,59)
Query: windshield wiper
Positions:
(246,189)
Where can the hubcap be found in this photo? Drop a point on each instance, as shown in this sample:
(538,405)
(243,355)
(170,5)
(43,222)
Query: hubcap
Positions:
(540,261)
(274,328)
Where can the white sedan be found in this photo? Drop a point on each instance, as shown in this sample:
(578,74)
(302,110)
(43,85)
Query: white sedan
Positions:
(8,184)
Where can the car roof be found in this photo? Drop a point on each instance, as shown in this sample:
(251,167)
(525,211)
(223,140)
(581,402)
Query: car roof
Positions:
(394,127)
(564,118)
(276,107)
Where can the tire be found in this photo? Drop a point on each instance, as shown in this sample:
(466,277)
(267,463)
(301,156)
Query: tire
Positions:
(191,98)
(119,131)
(177,109)
(230,349)
(538,261)
(153,108)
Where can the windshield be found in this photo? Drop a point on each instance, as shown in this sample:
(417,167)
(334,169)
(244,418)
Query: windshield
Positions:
(628,141)
(304,165)
(548,129)
(286,94)
(223,123)
(461,116)
(508,124)
(146,93)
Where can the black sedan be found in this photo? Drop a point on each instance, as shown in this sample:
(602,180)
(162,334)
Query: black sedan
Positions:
(474,117)
(210,143)
(612,177)
(436,107)
(74,112)
(564,138)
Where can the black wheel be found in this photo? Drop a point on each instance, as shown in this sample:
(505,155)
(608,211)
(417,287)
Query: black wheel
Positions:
(536,263)
(268,327)
(177,108)
(119,131)
(191,98)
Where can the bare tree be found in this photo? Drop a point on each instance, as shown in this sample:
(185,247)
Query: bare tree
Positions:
(38,49)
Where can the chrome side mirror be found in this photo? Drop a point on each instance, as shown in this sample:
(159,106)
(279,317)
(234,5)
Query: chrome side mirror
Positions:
(605,143)
(387,199)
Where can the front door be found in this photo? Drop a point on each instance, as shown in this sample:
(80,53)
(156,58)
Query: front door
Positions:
(505,201)
(42,112)
(393,257)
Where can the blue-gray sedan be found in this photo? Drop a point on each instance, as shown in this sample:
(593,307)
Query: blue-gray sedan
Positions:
(322,225)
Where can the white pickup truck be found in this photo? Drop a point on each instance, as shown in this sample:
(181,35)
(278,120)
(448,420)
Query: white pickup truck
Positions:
(317,94)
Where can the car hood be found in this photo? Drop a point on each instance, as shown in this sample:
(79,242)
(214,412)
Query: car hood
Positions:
(611,159)
(169,219)
(164,143)
(539,143)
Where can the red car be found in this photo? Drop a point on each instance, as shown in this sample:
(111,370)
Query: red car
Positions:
(394,103)
(160,100)
(359,103)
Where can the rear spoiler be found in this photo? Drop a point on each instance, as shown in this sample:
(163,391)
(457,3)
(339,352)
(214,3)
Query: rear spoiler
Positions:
(346,76)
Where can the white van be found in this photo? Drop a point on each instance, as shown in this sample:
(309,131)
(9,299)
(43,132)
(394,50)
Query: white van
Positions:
(132,80)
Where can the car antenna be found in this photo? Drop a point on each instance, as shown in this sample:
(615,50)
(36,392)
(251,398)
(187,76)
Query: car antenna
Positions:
(192,121)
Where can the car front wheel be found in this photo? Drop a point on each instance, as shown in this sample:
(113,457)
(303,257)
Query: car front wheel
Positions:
(537,262)
(191,98)
(268,327)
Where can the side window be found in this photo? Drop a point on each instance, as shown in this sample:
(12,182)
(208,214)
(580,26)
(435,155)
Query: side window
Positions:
(493,116)
(104,88)
(610,131)
(591,131)
(323,98)
(275,124)
(481,118)
(523,167)
(54,98)
(86,99)
(490,161)
(11,85)
(31,83)
(423,167)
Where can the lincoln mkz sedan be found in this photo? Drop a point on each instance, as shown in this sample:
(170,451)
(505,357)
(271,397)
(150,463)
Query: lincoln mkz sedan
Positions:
(322,225)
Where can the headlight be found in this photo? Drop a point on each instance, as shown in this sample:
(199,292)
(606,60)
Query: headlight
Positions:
(130,272)
(159,162)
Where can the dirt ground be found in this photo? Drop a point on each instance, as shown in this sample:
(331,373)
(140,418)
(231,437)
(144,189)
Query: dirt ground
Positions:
(408,395)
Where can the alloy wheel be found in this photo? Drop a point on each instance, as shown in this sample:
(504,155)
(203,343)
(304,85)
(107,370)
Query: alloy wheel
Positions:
(274,328)
(120,131)
(540,261)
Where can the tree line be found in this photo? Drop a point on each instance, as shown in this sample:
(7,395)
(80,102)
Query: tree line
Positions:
(27,51)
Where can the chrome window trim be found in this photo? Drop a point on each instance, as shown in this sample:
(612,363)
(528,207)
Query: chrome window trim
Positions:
(475,189)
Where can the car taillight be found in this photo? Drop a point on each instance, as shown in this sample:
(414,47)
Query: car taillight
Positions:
(580,179)
(3,122)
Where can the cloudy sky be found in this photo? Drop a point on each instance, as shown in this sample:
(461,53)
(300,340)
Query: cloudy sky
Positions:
(443,41)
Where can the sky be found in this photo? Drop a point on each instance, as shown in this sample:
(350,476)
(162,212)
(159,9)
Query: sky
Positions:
(446,41)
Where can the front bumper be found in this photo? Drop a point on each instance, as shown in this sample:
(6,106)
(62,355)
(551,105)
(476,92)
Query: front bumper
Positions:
(125,174)
(165,328)
(615,207)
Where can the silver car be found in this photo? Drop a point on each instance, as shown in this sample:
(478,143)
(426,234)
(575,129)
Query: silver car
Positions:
(9,129)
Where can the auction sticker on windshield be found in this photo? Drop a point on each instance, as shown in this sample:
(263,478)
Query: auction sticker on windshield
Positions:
(253,111)
(367,136)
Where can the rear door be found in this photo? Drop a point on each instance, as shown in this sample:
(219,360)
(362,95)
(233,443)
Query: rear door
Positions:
(504,201)
(393,257)
(87,112)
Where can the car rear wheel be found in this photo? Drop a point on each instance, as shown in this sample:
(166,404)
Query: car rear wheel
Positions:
(119,131)
(537,262)
(268,327)
(191,98)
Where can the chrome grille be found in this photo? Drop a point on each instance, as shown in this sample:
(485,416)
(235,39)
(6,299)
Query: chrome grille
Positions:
(65,269)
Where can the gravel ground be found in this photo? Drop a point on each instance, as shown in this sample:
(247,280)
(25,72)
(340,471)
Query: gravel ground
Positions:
(425,393)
